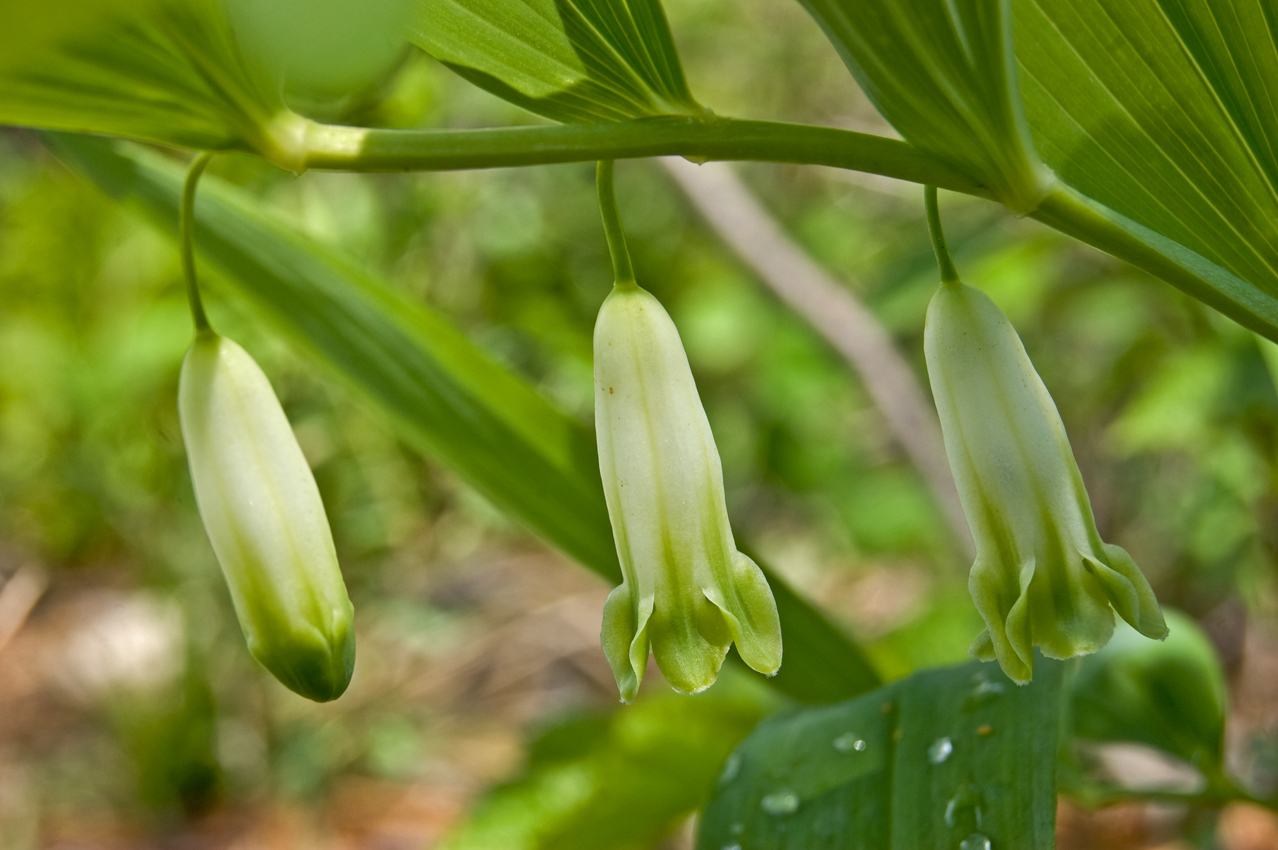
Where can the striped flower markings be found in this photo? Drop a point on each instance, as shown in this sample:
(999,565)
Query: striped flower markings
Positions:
(263,514)
(259,503)
(687,594)
(1042,576)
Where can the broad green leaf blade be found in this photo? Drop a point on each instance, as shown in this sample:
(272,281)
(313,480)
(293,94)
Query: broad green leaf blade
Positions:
(172,74)
(617,781)
(1160,112)
(29,29)
(944,75)
(945,756)
(434,385)
(569,60)
(1168,694)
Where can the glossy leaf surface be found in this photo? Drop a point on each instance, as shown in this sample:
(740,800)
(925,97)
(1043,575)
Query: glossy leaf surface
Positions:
(944,75)
(943,757)
(435,386)
(1161,112)
(569,60)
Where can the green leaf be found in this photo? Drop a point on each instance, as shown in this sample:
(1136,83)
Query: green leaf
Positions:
(1159,112)
(943,757)
(1168,694)
(944,75)
(28,29)
(171,73)
(622,780)
(434,385)
(569,60)
(325,52)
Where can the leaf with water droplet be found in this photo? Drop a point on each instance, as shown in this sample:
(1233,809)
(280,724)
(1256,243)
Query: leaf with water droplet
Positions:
(780,803)
(894,795)
(975,841)
(850,742)
(983,693)
(731,768)
(964,808)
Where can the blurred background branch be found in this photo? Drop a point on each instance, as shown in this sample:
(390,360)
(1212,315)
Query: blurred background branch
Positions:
(18,596)
(835,313)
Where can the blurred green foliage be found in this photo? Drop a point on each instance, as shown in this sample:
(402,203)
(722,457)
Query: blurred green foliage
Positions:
(618,781)
(1168,694)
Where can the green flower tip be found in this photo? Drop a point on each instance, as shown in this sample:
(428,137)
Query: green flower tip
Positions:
(1042,576)
(687,594)
(265,520)
(314,665)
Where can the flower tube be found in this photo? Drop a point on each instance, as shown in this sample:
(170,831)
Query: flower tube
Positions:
(1042,576)
(263,514)
(686,593)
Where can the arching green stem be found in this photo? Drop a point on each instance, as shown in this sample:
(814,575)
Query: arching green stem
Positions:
(622,270)
(187,222)
(949,274)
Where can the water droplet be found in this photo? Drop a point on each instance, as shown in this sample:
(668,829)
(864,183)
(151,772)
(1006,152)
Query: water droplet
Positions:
(780,803)
(940,750)
(736,828)
(967,797)
(732,847)
(983,691)
(731,768)
(975,841)
(849,742)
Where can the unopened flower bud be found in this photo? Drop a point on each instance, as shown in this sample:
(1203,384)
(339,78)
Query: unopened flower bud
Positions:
(687,593)
(263,514)
(1042,577)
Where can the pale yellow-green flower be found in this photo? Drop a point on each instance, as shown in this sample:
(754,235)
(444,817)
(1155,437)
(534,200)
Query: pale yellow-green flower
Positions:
(686,593)
(263,514)
(1042,577)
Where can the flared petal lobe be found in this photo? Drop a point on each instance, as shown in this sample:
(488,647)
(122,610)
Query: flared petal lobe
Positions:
(1042,577)
(687,594)
(265,520)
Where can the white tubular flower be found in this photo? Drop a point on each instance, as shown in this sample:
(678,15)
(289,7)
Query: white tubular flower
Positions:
(1042,577)
(264,517)
(686,592)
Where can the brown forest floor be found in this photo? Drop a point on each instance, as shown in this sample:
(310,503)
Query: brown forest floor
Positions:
(530,651)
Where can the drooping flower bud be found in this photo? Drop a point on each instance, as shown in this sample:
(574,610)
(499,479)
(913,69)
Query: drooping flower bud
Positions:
(263,514)
(1042,577)
(686,592)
